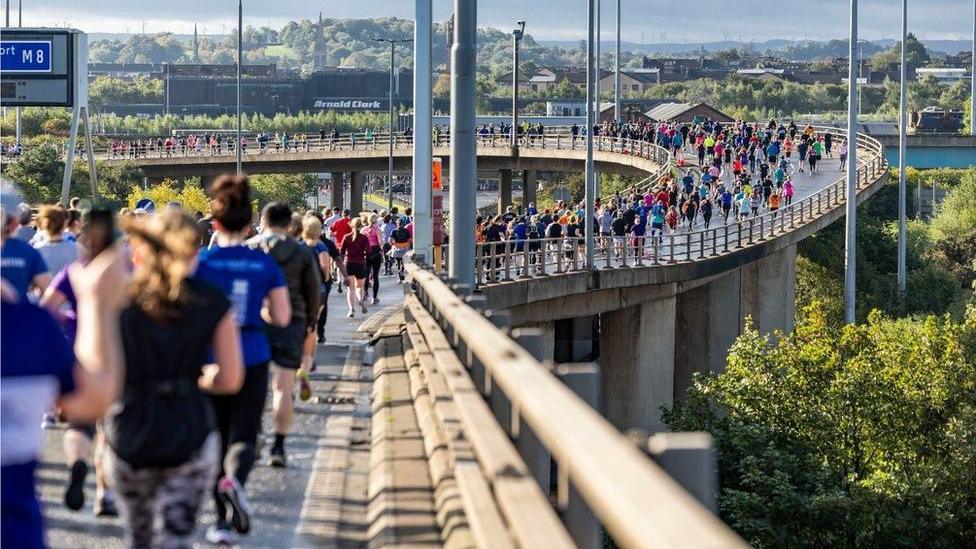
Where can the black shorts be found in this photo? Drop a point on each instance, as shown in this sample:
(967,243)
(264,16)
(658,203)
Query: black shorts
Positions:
(87,428)
(357,270)
(286,344)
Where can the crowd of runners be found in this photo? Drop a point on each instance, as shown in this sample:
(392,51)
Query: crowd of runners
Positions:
(742,170)
(162,386)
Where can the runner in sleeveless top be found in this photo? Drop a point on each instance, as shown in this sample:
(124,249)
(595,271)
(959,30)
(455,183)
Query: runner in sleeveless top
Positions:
(164,440)
(355,247)
(374,257)
(250,279)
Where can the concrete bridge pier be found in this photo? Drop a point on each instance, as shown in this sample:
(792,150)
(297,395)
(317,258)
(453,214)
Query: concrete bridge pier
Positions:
(706,323)
(768,291)
(336,190)
(529,187)
(504,190)
(637,363)
(356,192)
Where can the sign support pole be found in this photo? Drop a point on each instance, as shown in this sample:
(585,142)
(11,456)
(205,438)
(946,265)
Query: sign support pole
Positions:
(92,175)
(69,162)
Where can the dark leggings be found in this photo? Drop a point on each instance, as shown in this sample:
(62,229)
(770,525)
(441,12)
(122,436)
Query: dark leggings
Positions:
(373,263)
(239,421)
(324,311)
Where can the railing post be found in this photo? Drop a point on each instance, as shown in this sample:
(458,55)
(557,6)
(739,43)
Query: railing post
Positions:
(559,256)
(714,242)
(480,264)
(525,259)
(689,458)
(533,452)
(507,258)
(543,252)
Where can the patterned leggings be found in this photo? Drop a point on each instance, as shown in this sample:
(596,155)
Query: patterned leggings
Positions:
(161,505)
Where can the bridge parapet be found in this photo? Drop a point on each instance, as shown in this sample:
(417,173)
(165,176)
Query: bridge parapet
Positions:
(503,415)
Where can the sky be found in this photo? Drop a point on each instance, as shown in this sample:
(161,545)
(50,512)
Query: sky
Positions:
(647,21)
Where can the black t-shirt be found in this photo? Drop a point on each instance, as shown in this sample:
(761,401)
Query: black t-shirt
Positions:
(494,233)
(163,361)
(330,248)
(619,226)
(400,235)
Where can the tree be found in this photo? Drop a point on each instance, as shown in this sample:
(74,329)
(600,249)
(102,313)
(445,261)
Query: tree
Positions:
(292,189)
(861,436)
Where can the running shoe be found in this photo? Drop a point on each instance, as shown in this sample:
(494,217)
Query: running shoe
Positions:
(351,314)
(220,534)
(277,458)
(304,386)
(232,494)
(105,506)
(362,306)
(74,496)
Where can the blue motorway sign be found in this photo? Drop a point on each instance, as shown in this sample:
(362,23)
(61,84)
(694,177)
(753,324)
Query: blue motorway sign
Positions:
(25,56)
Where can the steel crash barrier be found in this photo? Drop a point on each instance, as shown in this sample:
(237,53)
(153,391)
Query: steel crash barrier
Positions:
(534,462)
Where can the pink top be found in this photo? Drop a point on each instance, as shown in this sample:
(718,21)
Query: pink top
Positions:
(372,234)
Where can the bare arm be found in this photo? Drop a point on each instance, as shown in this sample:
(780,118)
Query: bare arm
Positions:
(98,345)
(41,281)
(279,307)
(227,375)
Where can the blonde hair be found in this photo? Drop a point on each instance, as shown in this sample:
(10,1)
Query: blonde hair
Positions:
(171,240)
(357,224)
(312,229)
(52,219)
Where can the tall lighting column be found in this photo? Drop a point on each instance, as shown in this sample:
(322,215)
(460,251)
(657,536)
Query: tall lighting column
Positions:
(589,194)
(850,232)
(618,114)
(389,174)
(516,39)
(464,160)
(422,147)
(902,139)
(240,59)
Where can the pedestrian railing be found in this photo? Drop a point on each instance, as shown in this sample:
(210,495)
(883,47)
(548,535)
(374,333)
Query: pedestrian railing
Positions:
(520,259)
(513,422)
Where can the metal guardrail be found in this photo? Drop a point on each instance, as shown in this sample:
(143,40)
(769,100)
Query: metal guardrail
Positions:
(603,478)
(509,260)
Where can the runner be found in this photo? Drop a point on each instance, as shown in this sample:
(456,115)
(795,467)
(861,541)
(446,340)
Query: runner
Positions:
(400,242)
(355,247)
(54,248)
(82,382)
(248,278)
(286,343)
(162,432)
(374,257)
(20,264)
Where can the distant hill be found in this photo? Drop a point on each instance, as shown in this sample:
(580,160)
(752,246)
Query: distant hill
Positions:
(781,46)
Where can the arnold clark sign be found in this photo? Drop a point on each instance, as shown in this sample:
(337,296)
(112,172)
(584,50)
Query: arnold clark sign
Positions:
(350,104)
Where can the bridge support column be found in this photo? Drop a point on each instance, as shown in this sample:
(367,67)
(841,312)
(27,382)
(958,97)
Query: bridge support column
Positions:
(706,324)
(356,192)
(573,339)
(768,291)
(548,339)
(504,190)
(336,190)
(528,187)
(637,364)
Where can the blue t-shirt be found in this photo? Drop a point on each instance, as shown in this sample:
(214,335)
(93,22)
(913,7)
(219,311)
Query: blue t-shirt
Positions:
(245,276)
(36,367)
(20,263)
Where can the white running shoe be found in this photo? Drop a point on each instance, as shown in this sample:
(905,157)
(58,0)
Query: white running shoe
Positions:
(220,535)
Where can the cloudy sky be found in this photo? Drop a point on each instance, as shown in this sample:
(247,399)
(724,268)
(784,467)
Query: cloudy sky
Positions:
(644,20)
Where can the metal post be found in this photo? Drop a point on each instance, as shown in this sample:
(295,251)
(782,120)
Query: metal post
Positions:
(616,72)
(598,36)
(240,60)
(389,173)
(516,38)
(972,85)
(18,112)
(850,244)
(590,176)
(464,160)
(422,148)
(902,139)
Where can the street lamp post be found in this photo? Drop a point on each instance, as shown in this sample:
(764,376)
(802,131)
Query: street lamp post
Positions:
(422,147)
(516,39)
(972,84)
(902,139)
(240,59)
(850,242)
(616,73)
(464,160)
(590,191)
(389,176)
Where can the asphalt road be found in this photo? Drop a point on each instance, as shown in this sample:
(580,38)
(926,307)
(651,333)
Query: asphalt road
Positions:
(276,495)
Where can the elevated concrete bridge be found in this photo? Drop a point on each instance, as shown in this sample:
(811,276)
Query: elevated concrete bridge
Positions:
(499,411)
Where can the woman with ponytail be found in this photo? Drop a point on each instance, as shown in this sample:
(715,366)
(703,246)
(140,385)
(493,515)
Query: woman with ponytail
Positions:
(162,431)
